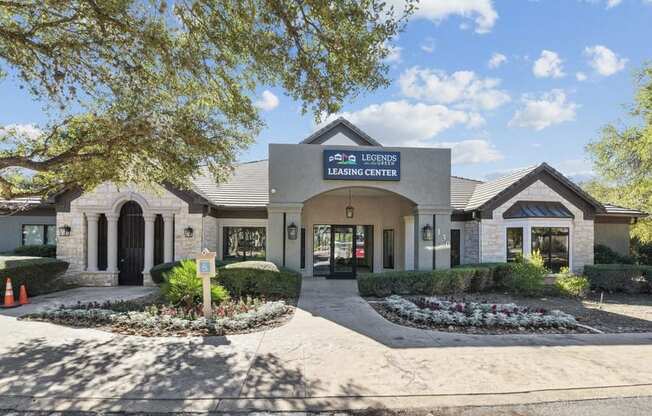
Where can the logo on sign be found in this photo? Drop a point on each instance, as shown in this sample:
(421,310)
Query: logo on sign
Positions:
(370,165)
(343,159)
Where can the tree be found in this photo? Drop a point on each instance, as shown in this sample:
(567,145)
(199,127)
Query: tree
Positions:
(143,91)
(622,157)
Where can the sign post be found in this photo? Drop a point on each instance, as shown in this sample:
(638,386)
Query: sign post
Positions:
(205,271)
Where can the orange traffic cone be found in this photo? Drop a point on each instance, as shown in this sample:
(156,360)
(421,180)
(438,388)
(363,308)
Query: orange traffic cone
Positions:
(9,296)
(22,297)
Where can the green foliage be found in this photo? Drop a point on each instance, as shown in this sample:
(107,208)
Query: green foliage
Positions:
(571,285)
(140,91)
(641,251)
(527,277)
(619,277)
(260,278)
(159,271)
(42,250)
(605,255)
(428,283)
(182,287)
(622,156)
(39,275)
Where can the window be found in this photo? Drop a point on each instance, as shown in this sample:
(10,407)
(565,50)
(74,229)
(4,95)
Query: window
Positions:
(244,243)
(552,244)
(514,244)
(37,234)
(388,249)
(321,250)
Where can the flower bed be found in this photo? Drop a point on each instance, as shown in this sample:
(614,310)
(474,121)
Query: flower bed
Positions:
(436,313)
(162,320)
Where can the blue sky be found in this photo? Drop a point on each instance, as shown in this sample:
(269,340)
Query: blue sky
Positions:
(561,70)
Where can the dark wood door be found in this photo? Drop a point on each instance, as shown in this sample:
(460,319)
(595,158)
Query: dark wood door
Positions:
(131,244)
(455,248)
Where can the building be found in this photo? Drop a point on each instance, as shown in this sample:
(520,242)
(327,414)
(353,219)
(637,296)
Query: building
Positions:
(337,204)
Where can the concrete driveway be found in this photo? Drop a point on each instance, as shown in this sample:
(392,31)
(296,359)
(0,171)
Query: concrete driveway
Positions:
(336,353)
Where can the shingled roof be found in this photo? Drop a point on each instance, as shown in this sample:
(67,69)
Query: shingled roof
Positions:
(247,187)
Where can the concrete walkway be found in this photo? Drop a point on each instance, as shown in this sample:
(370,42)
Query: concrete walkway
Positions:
(336,353)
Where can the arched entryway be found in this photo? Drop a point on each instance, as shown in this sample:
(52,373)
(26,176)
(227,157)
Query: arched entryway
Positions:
(131,244)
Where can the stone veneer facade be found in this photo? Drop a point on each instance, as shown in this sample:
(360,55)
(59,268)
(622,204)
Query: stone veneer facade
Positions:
(108,199)
(493,231)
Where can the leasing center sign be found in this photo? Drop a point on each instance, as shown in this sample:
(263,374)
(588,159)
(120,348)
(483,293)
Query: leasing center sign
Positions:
(362,165)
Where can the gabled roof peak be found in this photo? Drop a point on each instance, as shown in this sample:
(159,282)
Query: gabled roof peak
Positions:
(344,126)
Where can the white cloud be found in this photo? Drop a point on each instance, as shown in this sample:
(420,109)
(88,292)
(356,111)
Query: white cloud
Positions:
(578,170)
(549,65)
(497,59)
(268,101)
(548,109)
(29,131)
(481,11)
(393,54)
(462,88)
(400,123)
(428,45)
(471,151)
(603,60)
(613,3)
(581,76)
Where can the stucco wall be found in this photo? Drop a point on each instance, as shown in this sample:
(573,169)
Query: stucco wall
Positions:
(383,212)
(614,236)
(493,234)
(108,198)
(296,174)
(11,228)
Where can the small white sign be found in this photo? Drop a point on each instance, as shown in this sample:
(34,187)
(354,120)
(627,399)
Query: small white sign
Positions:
(206,270)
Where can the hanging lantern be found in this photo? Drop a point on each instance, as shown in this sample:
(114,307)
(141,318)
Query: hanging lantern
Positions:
(427,233)
(292,232)
(349,208)
(64,231)
(188,232)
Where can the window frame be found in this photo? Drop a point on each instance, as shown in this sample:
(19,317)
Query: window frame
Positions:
(507,251)
(225,245)
(385,252)
(44,233)
(547,258)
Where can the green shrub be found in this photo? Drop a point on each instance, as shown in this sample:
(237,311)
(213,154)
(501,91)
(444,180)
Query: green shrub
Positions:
(605,255)
(158,272)
(183,287)
(641,251)
(628,278)
(571,285)
(41,250)
(428,283)
(498,273)
(259,278)
(526,277)
(40,275)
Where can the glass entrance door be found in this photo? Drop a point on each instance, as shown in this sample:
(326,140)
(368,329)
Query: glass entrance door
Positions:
(342,251)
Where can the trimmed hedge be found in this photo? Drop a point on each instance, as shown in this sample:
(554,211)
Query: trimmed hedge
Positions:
(42,250)
(259,278)
(40,275)
(605,255)
(628,278)
(427,283)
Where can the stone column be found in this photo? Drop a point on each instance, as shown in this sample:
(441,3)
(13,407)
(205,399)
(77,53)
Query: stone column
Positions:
(168,237)
(408,257)
(442,232)
(149,248)
(423,249)
(112,243)
(277,235)
(91,241)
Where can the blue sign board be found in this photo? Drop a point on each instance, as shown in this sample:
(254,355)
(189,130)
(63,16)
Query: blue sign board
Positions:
(362,165)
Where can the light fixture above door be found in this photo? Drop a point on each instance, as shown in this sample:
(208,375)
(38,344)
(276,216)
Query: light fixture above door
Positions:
(349,208)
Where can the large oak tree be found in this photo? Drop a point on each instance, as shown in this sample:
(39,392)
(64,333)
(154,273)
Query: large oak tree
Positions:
(150,91)
(623,159)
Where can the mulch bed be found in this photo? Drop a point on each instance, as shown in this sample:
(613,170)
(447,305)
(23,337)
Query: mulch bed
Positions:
(619,313)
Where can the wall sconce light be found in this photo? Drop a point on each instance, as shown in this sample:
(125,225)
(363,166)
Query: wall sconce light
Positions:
(64,231)
(349,208)
(292,232)
(427,233)
(188,232)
